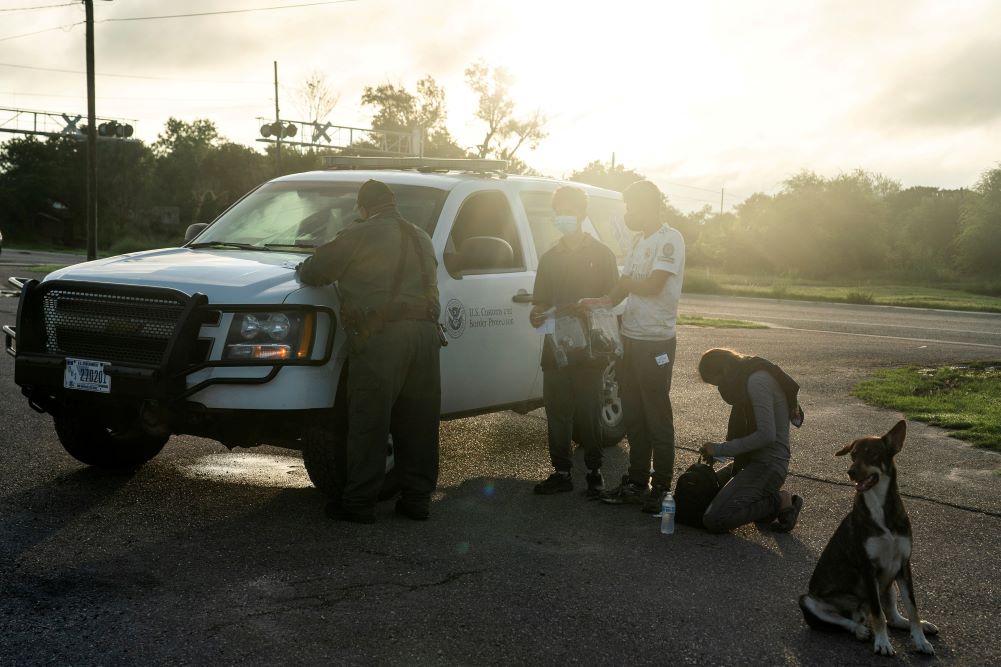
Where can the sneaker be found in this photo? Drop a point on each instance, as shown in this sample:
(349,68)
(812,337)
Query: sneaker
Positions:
(789,516)
(628,492)
(558,482)
(654,499)
(595,485)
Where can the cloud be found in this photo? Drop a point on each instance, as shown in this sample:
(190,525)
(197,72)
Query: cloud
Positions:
(957,90)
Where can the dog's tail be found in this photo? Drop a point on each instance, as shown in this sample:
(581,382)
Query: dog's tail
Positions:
(813,620)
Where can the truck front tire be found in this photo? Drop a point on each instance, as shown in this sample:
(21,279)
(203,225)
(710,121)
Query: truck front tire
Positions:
(90,441)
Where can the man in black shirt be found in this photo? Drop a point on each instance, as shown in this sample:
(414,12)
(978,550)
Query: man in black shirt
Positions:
(578,266)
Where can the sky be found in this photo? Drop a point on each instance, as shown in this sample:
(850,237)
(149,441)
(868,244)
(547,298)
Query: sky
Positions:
(699,96)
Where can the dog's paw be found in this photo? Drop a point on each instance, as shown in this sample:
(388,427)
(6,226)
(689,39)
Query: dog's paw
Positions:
(862,632)
(882,646)
(924,646)
(929,628)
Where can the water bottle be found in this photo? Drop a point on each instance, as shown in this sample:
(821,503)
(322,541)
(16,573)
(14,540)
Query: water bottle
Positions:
(667,509)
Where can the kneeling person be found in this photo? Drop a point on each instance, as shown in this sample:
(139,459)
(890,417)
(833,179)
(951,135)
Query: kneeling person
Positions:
(764,402)
(578,266)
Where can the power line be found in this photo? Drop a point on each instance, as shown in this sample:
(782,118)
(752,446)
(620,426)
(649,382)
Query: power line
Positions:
(128,76)
(693,187)
(248,100)
(225,11)
(38,32)
(25,9)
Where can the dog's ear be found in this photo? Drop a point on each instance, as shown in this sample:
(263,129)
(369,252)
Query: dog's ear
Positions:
(895,436)
(847,449)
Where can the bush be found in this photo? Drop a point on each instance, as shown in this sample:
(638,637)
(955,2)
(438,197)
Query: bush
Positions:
(701,283)
(860,295)
(138,242)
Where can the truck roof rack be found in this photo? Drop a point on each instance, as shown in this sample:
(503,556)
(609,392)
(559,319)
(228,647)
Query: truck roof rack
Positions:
(423,164)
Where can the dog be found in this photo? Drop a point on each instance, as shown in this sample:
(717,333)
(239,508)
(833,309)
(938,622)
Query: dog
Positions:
(851,587)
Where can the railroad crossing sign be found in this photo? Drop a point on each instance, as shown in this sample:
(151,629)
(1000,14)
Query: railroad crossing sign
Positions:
(328,135)
(57,124)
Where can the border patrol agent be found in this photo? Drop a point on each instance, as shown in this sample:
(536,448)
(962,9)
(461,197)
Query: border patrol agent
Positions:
(385,270)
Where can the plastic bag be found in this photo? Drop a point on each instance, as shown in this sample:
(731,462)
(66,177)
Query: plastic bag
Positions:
(583,338)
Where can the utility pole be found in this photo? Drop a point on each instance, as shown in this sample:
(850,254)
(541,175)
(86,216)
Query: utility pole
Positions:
(278,124)
(721,200)
(613,161)
(91,138)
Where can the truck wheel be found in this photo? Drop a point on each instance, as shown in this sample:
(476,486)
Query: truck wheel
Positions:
(321,466)
(95,444)
(613,428)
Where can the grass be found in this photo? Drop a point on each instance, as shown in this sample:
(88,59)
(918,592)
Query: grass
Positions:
(878,291)
(699,321)
(44,268)
(963,399)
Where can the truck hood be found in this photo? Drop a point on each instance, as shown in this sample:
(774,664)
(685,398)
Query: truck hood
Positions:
(223,275)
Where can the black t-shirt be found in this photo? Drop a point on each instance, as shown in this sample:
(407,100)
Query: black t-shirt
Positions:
(567,275)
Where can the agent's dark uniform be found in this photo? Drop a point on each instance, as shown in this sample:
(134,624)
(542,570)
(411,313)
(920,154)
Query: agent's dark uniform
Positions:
(389,306)
(565,276)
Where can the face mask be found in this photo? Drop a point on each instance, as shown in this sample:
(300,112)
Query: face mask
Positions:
(567,224)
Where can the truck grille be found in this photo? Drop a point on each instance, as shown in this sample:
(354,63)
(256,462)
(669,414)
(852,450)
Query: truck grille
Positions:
(109,327)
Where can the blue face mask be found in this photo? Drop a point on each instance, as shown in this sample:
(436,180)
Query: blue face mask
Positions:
(567,224)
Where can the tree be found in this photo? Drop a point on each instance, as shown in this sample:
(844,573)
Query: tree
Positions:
(399,110)
(979,240)
(316,98)
(602,175)
(505,135)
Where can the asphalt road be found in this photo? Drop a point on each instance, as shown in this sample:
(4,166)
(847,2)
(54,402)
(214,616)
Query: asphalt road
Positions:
(205,556)
(11,257)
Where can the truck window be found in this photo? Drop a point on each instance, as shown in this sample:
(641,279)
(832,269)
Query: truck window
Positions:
(604,213)
(307,214)
(484,238)
(606,216)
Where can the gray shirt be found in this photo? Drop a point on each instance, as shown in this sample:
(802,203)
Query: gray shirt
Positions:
(769,444)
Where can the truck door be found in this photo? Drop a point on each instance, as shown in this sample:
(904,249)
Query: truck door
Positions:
(492,359)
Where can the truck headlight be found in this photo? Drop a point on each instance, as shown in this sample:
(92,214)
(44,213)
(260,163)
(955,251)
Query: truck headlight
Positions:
(270,336)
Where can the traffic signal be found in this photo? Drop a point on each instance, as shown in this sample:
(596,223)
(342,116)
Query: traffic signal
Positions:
(113,128)
(279,130)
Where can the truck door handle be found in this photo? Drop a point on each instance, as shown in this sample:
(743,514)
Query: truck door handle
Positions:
(522,297)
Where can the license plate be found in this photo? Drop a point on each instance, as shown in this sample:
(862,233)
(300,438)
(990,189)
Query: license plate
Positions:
(86,375)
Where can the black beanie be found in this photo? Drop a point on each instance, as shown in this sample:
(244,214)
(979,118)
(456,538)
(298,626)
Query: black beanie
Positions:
(373,194)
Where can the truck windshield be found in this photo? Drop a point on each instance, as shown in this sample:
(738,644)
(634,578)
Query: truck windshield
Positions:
(300,216)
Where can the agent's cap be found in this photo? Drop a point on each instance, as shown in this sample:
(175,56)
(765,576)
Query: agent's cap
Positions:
(372,194)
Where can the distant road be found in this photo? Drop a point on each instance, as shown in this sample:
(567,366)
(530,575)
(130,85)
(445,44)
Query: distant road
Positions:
(917,326)
(14,257)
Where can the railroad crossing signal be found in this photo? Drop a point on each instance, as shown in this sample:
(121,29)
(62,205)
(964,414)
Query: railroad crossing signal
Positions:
(56,124)
(279,130)
(115,129)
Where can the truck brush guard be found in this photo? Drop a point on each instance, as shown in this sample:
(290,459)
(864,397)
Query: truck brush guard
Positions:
(147,337)
(145,334)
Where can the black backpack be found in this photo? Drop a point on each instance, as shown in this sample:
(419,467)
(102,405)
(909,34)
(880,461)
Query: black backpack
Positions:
(695,489)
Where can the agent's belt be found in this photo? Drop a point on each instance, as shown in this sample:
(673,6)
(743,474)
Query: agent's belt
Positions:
(396,312)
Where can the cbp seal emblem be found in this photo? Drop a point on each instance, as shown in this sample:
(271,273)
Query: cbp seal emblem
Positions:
(455,318)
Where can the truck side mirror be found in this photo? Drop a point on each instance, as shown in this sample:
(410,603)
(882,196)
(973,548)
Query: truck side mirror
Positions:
(484,254)
(194,230)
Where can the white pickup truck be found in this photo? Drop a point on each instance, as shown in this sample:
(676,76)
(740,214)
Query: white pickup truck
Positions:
(218,339)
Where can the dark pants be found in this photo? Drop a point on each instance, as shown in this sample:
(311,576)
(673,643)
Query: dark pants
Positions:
(751,495)
(394,386)
(644,386)
(572,397)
